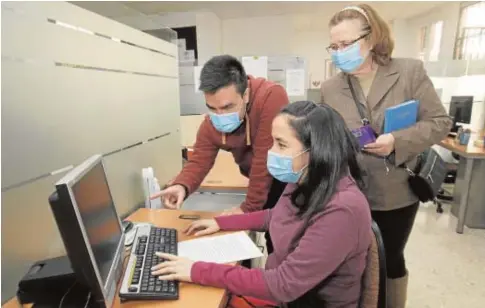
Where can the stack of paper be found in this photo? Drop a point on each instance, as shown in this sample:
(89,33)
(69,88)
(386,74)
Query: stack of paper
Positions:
(221,249)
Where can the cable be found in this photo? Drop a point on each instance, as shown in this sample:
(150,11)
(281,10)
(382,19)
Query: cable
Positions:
(87,301)
(65,294)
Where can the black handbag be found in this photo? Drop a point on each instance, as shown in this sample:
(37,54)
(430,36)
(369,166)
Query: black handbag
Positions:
(429,174)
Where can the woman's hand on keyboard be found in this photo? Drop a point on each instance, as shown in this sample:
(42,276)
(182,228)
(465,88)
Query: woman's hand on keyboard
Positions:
(173,268)
(202,227)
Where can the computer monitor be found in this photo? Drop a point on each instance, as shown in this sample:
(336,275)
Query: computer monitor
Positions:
(461,110)
(90,229)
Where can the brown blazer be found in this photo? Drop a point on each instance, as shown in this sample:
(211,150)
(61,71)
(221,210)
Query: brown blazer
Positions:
(395,83)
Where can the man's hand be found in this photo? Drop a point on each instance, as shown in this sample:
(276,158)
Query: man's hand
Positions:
(174,268)
(172,197)
(232,211)
(383,146)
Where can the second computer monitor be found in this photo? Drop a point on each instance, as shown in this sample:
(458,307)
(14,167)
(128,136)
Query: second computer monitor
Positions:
(461,109)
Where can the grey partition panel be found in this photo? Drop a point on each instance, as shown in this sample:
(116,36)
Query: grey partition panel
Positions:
(50,111)
(117,89)
(86,20)
(43,45)
(76,84)
(124,169)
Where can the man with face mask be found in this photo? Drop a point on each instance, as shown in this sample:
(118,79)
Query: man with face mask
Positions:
(241,110)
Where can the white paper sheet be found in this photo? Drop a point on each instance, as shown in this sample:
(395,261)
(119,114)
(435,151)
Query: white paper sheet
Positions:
(197,70)
(221,249)
(295,82)
(256,66)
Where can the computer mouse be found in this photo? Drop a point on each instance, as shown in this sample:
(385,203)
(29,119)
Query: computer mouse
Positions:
(127,226)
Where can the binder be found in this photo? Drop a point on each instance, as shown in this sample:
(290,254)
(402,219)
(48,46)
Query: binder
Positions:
(401,116)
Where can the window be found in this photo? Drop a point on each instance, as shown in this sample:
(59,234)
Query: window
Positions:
(423,39)
(430,41)
(437,32)
(470,41)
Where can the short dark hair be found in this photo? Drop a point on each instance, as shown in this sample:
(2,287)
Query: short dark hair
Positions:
(222,71)
(333,153)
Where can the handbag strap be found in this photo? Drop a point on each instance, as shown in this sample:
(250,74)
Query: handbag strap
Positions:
(358,105)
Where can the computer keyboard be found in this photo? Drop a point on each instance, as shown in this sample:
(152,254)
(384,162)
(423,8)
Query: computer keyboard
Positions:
(138,281)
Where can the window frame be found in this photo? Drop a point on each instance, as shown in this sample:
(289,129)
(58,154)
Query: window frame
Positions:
(459,37)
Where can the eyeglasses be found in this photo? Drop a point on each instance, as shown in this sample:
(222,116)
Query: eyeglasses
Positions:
(334,47)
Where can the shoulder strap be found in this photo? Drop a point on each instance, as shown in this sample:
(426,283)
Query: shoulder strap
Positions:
(363,118)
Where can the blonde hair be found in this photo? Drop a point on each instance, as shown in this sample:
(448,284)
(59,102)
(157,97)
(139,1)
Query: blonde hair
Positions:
(380,33)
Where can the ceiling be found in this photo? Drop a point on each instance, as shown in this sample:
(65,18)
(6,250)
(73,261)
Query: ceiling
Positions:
(241,9)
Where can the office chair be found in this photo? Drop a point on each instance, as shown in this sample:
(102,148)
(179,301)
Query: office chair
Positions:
(373,293)
(450,178)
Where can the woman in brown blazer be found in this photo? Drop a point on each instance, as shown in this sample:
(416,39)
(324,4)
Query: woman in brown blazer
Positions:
(361,47)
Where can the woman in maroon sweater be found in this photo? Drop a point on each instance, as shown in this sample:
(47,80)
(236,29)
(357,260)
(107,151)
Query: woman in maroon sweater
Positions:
(321,226)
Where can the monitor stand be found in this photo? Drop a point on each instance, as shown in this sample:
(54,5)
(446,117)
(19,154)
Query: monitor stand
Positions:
(48,281)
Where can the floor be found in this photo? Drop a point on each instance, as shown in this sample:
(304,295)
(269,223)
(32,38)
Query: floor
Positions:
(447,270)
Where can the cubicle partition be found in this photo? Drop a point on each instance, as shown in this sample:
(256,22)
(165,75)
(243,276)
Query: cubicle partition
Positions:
(76,84)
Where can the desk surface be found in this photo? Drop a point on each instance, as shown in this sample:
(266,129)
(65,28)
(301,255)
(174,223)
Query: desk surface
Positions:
(469,151)
(224,175)
(191,295)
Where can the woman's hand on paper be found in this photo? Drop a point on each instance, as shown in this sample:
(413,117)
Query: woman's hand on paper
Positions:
(172,196)
(202,227)
(173,268)
(383,146)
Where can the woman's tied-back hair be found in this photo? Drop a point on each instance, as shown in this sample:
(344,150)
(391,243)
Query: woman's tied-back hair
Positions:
(380,34)
(333,151)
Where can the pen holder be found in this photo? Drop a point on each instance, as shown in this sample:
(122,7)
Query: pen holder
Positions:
(464,138)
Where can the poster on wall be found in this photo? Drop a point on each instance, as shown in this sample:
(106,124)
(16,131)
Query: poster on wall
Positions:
(256,66)
(295,82)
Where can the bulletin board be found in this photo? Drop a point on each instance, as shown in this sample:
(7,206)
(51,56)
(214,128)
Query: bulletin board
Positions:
(277,67)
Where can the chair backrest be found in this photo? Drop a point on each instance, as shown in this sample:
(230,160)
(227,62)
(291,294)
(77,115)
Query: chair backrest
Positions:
(373,294)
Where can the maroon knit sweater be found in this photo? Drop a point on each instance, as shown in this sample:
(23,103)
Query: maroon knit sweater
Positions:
(329,259)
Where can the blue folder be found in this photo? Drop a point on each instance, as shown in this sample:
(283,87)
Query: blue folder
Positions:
(401,116)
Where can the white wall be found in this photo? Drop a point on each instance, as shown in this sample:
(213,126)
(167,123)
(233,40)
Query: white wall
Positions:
(209,36)
(278,35)
(449,13)
(406,42)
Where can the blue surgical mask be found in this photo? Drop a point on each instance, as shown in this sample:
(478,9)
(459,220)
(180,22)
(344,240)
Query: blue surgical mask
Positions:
(349,59)
(281,167)
(227,122)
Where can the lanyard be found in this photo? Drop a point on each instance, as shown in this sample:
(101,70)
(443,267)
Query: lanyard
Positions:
(358,105)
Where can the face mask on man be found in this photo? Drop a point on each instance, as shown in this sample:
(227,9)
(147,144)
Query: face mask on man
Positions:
(349,59)
(226,122)
(281,167)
